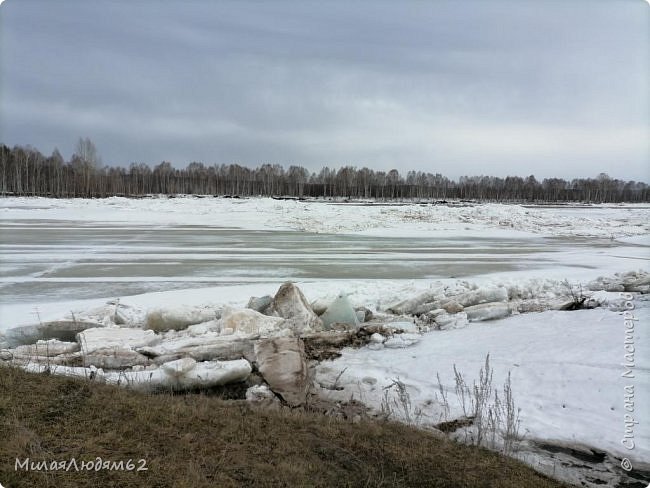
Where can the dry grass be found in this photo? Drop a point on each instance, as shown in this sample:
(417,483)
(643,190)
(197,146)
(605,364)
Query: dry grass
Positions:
(198,440)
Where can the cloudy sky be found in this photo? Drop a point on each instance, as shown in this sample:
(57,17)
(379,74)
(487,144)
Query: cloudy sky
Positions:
(548,87)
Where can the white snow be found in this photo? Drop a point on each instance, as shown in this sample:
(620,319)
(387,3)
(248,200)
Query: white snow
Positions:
(331,217)
(566,373)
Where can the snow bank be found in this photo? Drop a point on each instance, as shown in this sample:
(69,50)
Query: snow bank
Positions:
(566,372)
(323,217)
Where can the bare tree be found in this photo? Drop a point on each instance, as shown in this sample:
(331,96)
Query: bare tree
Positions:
(86,159)
(25,171)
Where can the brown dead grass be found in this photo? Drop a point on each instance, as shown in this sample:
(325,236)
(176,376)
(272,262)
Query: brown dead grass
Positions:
(201,441)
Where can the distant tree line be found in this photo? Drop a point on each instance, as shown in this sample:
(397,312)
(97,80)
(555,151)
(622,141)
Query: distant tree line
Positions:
(25,171)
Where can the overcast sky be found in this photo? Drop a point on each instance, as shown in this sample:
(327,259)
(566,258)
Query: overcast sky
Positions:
(551,88)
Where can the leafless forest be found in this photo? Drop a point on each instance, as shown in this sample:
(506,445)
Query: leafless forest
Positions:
(25,171)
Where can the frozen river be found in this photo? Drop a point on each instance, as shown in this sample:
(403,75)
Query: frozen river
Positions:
(67,258)
(51,260)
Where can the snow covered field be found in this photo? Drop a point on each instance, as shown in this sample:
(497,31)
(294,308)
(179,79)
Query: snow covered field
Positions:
(58,256)
(338,218)
(566,374)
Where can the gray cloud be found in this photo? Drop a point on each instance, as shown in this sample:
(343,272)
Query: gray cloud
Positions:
(484,87)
